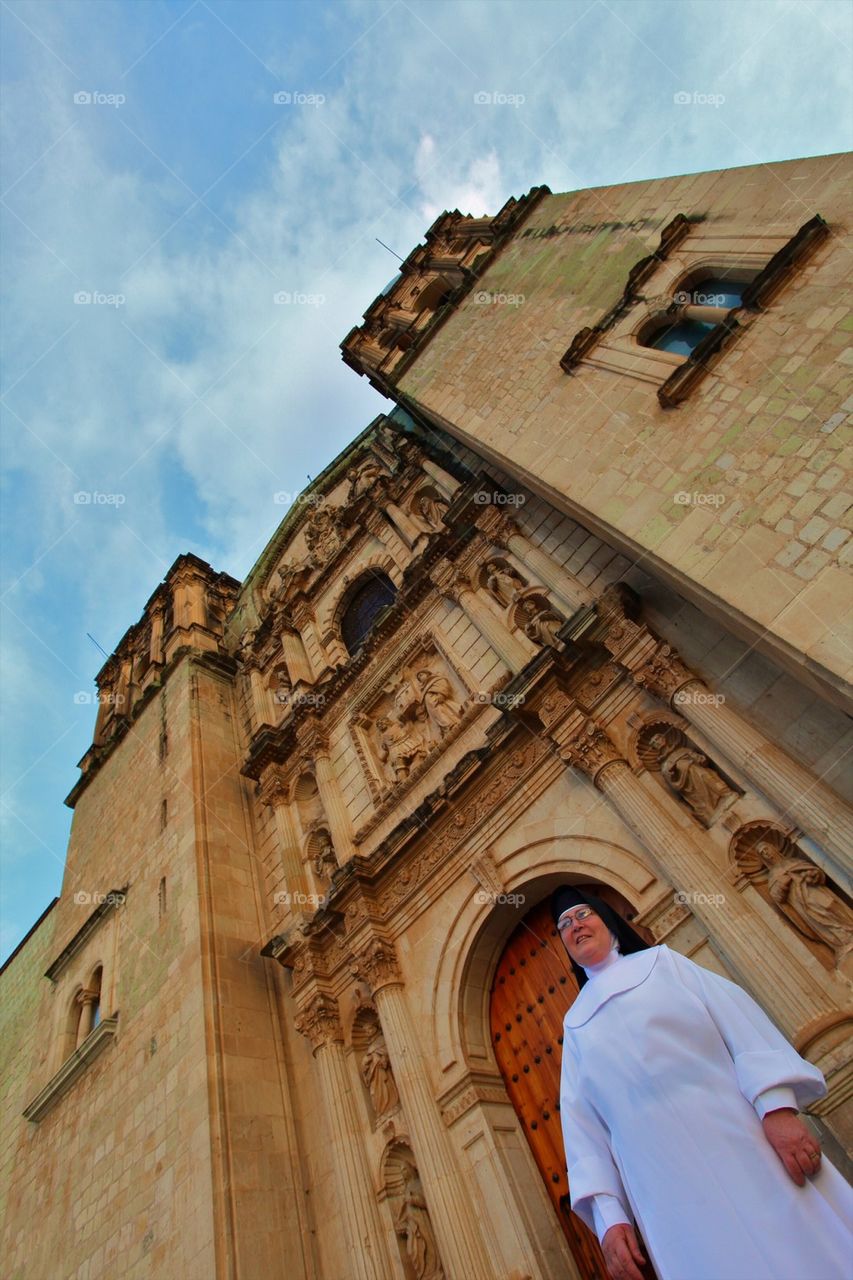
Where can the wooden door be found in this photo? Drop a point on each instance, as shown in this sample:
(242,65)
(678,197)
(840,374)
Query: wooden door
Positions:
(532,989)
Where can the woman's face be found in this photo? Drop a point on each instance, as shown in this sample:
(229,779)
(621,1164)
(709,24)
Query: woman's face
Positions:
(588,940)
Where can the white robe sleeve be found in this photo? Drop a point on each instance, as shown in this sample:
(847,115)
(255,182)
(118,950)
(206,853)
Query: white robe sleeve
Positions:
(770,1073)
(597,1194)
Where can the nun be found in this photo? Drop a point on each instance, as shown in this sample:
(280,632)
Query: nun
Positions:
(678,1102)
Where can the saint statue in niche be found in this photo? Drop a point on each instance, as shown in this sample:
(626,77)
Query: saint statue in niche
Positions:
(689,773)
(414,1226)
(503,582)
(429,510)
(378,1077)
(801,893)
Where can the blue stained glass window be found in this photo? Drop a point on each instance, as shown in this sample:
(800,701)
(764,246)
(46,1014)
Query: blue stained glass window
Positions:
(375,594)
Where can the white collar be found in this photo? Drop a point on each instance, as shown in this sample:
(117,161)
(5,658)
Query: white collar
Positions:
(610,979)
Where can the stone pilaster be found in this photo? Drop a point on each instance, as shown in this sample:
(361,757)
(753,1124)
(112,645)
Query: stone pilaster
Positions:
(273,791)
(315,745)
(451,1210)
(367,1257)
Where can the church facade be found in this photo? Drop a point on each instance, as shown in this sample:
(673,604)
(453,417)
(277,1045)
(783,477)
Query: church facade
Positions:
(574,610)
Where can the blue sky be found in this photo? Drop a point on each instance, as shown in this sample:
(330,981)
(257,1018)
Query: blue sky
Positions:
(182,197)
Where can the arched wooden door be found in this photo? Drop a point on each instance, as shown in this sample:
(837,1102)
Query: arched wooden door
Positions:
(532,989)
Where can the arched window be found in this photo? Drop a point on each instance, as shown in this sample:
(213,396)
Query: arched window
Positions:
(369,599)
(700,304)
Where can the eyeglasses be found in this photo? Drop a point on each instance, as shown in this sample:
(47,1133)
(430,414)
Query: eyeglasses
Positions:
(582,913)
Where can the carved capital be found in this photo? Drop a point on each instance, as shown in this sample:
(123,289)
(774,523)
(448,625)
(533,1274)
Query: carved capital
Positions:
(554,707)
(449,580)
(311,738)
(664,673)
(320,1021)
(591,749)
(496,525)
(377,964)
(273,787)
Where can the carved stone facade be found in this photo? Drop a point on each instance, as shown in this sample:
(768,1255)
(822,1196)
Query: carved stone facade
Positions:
(337,791)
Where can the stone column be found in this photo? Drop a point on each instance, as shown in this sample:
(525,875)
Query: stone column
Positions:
(803,798)
(87,999)
(509,647)
(315,745)
(261,707)
(451,1209)
(441,477)
(156,651)
(367,1258)
(504,532)
(404,524)
(298,665)
(756,955)
(273,791)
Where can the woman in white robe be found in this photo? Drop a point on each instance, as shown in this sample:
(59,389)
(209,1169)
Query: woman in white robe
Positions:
(678,1106)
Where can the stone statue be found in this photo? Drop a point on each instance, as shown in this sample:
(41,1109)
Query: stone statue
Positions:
(430,510)
(503,582)
(322,534)
(400,747)
(800,891)
(377,1075)
(689,773)
(324,860)
(414,1226)
(542,623)
(364,477)
(436,695)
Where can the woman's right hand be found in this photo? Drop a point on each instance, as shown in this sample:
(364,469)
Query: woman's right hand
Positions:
(622,1253)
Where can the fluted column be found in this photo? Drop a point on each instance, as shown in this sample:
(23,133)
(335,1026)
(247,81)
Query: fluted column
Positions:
(809,803)
(451,1209)
(261,706)
(755,954)
(509,647)
(367,1258)
(442,478)
(315,745)
(298,665)
(273,791)
(504,532)
(404,524)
